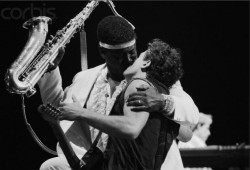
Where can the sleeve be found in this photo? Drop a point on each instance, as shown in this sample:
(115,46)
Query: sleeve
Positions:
(185,112)
(50,86)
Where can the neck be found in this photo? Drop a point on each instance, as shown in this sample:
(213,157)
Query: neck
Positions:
(112,83)
(115,77)
(137,75)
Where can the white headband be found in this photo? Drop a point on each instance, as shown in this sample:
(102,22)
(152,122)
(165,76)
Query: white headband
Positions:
(119,46)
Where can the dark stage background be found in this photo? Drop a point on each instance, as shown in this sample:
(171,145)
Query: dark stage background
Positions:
(213,37)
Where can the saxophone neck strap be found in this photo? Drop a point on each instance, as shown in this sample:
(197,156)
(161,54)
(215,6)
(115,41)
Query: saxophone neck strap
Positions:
(97,139)
(83,47)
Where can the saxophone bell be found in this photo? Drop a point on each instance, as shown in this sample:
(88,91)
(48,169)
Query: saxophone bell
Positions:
(17,77)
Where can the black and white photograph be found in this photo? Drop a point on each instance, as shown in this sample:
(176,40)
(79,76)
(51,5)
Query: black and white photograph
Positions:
(124,85)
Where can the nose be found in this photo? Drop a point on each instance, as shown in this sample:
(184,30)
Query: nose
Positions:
(131,57)
(208,133)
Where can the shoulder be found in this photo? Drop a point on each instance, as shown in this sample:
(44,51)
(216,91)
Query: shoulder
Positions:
(133,84)
(89,72)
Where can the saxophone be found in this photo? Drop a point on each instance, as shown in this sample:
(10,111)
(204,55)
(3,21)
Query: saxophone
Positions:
(29,67)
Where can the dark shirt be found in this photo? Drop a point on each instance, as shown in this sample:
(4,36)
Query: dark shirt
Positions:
(149,149)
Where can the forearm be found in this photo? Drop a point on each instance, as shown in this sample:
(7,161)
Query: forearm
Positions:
(185,112)
(119,126)
(180,107)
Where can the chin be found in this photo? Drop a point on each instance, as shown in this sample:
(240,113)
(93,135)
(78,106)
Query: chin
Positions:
(127,75)
(126,72)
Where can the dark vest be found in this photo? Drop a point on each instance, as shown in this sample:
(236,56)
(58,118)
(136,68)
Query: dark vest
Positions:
(149,149)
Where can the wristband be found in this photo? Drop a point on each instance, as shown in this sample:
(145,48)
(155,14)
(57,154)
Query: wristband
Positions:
(169,104)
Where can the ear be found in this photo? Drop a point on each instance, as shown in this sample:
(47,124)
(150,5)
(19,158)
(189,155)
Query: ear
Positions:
(103,56)
(102,53)
(146,63)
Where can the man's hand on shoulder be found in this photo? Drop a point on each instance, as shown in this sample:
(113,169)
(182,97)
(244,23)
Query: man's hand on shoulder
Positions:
(147,98)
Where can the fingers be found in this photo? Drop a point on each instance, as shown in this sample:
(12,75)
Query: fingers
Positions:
(59,56)
(61,117)
(135,98)
(61,52)
(142,87)
(139,109)
(64,115)
(49,41)
(135,103)
(137,94)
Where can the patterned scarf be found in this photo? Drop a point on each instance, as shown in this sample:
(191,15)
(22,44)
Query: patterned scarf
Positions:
(101,102)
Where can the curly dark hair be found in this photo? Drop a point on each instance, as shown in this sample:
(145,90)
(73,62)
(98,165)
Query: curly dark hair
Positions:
(166,65)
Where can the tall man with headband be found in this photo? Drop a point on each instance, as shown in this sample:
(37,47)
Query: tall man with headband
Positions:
(98,87)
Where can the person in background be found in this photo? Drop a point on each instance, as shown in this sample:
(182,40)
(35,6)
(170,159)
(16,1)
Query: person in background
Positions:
(201,132)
